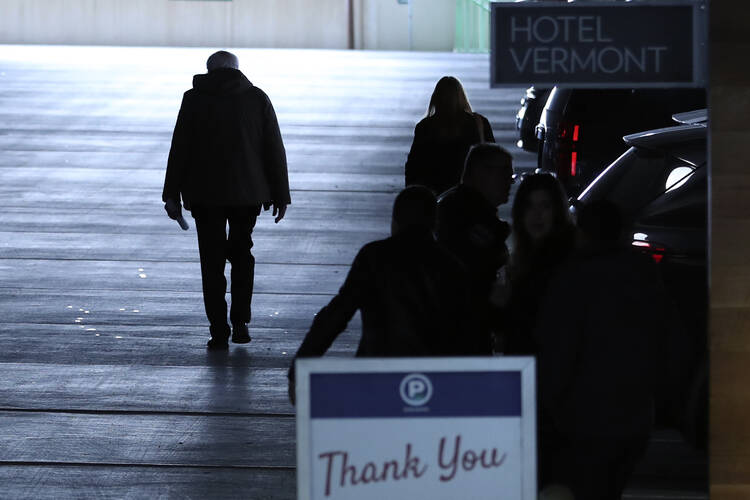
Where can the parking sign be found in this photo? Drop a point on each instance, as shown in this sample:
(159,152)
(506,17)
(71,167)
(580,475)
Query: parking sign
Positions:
(438,428)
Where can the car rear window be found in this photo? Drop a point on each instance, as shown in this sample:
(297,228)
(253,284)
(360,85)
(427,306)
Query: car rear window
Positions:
(638,178)
(683,205)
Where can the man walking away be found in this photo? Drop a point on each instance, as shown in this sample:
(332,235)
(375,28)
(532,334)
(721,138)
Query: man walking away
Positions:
(227,160)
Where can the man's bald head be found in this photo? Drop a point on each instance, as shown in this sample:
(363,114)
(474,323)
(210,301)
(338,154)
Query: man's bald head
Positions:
(222,59)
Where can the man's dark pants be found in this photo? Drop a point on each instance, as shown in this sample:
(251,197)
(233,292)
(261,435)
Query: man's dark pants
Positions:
(215,249)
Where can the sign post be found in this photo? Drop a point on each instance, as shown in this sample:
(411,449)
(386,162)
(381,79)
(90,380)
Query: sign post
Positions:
(398,428)
(597,44)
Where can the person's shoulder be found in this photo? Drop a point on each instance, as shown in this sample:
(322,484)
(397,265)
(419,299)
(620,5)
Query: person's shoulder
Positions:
(255,95)
(449,262)
(258,93)
(450,196)
(425,124)
(452,205)
(373,248)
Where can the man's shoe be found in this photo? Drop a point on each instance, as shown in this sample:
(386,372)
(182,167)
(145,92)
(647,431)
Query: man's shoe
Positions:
(219,338)
(217,344)
(240,335)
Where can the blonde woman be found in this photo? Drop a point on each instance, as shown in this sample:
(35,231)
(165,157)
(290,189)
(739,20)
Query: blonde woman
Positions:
(444,136)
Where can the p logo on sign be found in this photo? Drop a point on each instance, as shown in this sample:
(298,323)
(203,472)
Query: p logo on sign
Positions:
(416,389)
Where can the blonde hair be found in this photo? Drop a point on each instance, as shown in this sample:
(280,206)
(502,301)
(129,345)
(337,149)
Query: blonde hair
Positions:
(448,99)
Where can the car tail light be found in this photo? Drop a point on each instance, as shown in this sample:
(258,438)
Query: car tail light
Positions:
(569,131)
(573,159)
(569,134)
(654,250)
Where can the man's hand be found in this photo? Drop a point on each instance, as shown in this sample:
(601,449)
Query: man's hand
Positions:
(280,209)
(292,393)
(173,208)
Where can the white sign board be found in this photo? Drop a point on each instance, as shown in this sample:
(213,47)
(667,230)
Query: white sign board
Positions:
(406,428)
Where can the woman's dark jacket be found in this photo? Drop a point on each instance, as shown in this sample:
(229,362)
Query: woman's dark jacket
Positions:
(436,158)
(414,301)
(529,276)
(226,147)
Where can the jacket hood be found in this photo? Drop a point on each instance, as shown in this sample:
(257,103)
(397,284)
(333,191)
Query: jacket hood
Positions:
(222,81)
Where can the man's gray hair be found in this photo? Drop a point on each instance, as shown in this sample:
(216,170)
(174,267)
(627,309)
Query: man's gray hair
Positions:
(486,155)
(222,59)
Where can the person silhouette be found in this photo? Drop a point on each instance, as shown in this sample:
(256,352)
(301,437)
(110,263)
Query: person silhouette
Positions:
(226,161)
(601,330)
(468,225)
(443,138)
(543,238)
(413,294)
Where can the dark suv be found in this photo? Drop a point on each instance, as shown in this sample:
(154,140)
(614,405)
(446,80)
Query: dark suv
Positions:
(661,185)
(580,130)
(527,117)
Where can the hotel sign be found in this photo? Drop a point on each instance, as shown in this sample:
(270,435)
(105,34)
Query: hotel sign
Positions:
(597,44)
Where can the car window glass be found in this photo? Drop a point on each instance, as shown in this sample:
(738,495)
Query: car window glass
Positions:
(632,181)
(683,206)
(691,215)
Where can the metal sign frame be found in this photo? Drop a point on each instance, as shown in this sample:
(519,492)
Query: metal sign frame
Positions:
(699,44)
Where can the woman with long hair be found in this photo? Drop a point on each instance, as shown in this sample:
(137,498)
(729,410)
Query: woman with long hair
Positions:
(543,237)
(443,137)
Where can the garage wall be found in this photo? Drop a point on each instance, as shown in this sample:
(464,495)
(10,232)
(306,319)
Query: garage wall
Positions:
(384,25)
(376,24)
(227,23)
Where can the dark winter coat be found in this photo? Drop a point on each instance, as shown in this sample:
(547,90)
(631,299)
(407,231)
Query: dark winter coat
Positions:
(226,147)
(600,330)
(468,226)
(413,298)
(529,278)
(436,158)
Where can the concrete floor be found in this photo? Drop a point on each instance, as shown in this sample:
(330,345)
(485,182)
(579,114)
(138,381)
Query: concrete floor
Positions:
(108,390)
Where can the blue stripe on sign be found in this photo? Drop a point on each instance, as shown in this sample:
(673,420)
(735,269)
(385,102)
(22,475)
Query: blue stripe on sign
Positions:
(453,394)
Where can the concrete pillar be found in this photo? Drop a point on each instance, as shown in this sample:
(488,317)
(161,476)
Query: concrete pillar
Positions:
(729,105)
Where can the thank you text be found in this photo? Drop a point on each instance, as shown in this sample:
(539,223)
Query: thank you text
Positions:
(418,434)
